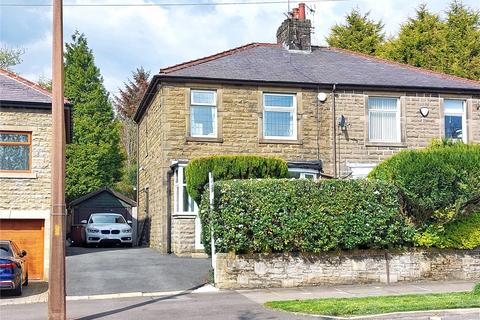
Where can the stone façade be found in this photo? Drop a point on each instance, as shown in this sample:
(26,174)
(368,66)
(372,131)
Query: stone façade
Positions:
(164,138)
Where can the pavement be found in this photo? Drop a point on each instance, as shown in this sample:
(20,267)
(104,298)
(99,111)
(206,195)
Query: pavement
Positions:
(351,291)
(99,271)
(241,304)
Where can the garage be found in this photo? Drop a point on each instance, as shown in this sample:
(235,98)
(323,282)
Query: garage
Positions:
(28,234)
(103,200)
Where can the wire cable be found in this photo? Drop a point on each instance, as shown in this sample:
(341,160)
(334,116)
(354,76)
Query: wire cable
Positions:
(166,4)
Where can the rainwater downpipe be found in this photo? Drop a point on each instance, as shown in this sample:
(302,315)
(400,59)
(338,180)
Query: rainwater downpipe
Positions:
(334,124)
(169,210)
(318,125)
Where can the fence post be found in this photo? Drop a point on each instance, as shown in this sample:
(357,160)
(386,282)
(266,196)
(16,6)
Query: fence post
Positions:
(212,240)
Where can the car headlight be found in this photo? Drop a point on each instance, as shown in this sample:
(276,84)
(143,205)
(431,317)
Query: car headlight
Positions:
(92,230)
(127,230)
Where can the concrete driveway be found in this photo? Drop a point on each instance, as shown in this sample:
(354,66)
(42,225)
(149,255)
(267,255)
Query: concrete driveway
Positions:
(97,271)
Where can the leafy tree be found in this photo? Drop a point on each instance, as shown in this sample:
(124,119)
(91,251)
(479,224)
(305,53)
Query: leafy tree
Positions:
(420,42)
(10,57)
(45,83)
(359,33)
(462,39)
(126,103)
(450,45)
(129,98)
(94,159)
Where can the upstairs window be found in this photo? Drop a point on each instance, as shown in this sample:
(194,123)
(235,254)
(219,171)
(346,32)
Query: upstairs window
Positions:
(383,119)
(454,112)
(279,116)
(203,113)
(15,151)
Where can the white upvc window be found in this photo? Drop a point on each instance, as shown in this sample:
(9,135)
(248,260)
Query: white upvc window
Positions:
(203,113)
(300,173)
(455,119)
(183,203)
(279,116)
(384,119)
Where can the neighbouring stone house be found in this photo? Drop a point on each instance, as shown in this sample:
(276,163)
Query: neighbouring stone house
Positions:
(327,111)
(25,172)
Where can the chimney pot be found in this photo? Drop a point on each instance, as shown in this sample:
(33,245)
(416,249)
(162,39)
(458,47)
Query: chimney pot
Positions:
(301,11)
(295,13)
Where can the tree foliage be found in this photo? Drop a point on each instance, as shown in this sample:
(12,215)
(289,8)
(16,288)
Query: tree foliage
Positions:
(359,33)
(449,44)
(128,99)
(419,42)
(126,103)
(94,159)
(10,57)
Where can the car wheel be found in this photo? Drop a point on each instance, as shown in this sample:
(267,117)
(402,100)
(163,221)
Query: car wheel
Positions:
(128,245)
(26,280)
(18,290)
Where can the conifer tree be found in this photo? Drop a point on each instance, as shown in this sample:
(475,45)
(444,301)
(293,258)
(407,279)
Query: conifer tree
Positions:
(94,158)
(359,33)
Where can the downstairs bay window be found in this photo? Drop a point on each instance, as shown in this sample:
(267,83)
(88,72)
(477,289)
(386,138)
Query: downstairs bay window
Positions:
(183,203)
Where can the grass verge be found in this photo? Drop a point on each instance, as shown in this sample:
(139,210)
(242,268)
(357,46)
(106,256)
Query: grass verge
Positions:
(377,305)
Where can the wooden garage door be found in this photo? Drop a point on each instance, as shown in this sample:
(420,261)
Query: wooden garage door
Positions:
(28,235)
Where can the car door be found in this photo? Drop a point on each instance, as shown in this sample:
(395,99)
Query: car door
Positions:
(22,260)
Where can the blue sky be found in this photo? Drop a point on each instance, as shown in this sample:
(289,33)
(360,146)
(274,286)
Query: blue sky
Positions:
(124,38)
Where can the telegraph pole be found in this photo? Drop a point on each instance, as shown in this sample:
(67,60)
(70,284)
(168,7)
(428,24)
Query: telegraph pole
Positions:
(56,278)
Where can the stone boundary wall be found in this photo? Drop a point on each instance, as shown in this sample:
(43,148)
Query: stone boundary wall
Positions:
(352,267)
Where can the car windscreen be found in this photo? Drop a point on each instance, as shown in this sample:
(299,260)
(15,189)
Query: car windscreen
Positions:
(106,219)
(5,250)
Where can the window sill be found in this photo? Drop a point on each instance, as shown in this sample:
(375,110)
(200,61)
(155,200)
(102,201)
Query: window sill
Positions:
(203,139)
(18,175)
(279,141)
(184,215)
(386,144)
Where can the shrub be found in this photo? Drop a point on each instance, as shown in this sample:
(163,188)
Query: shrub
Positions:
(281,215)
(227,167)
(476,289)
(436,183)
(463,233)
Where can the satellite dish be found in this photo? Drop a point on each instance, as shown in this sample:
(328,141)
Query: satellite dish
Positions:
(322,96)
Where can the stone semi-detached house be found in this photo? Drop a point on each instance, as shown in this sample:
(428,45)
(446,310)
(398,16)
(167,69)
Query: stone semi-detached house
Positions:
(327,111)
(25,170)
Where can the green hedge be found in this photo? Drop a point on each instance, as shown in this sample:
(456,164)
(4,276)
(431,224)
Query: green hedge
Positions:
(227,167)
(435,182)
(280,215)
(463,233)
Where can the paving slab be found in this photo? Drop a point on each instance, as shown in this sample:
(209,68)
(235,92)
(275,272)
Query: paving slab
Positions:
(350,291)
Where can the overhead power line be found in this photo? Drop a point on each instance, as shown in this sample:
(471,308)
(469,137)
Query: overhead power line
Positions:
(171,4)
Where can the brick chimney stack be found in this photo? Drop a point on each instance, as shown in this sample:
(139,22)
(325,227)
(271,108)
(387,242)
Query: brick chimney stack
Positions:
(295,32)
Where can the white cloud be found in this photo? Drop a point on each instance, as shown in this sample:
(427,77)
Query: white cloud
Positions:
(124,38)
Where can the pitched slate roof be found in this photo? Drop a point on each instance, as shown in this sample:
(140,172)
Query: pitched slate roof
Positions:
(98,191)
(16,89)
(269,63)
(323,65)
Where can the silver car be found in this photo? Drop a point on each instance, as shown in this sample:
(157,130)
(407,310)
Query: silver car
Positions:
(108,228)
